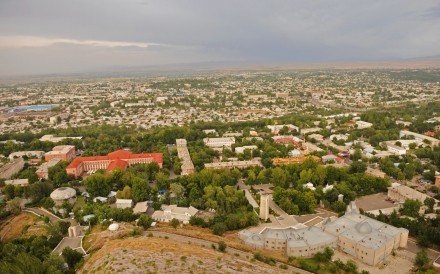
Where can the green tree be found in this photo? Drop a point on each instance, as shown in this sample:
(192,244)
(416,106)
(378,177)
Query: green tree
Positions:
(40,190)
(125,193)
(174,222)
(9,191)
(72,257)
(219,229)
(98,185)
(15,206)
(429,203)
(141,190)
(422,259)
(411,208)
(145,221)
(357,167)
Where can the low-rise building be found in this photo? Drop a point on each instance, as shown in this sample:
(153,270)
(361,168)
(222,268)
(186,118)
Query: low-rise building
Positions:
(293,160)
(43,170)
(396,150)
(169,212)
(65,153)
(51,138)
(234,164)
(362,124)
(124,203)
(275,129)
(420,137)
(140,207)
(63,194)
(240,150)
(29,154)
(17,182)
(219,142)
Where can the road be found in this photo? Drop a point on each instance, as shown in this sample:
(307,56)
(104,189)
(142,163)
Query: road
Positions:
(52,217)
(206,243)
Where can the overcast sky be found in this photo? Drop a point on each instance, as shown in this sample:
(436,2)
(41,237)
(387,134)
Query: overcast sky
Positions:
(59,36)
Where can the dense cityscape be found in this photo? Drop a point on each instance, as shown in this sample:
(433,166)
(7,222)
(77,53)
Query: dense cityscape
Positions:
(145,136)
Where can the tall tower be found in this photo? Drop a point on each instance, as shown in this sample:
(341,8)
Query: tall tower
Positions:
(264,206)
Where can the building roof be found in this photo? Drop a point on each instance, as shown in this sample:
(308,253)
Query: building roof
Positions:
(117,155)
(63,193)
(117,164)
(140,207)
(124,201)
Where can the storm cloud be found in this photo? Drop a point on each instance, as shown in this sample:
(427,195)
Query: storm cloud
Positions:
(48,36)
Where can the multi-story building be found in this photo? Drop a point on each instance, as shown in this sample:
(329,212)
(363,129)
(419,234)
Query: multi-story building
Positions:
(400,193)
(118,159)
(11,168)
(183,153)
(65,153)
(367,239)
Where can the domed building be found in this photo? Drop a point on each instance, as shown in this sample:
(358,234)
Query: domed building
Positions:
(369,240)
(62,194)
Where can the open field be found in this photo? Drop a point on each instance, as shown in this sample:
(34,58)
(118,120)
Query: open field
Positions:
(161,255)
(24,224)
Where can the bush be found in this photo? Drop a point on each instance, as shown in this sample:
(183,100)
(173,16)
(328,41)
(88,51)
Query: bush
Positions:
(218,229)
(63,227)
(137,231)
(145,221)
(72,257)
(222,246)
(174,222)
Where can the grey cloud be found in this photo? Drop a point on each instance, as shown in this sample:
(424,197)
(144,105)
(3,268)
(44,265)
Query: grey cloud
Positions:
(256,31)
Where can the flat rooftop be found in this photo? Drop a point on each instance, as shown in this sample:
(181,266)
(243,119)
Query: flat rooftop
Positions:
(374,202)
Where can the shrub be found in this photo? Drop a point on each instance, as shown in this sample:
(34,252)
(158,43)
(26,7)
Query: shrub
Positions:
(222,246)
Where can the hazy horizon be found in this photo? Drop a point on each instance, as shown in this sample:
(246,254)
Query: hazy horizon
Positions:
(51,36)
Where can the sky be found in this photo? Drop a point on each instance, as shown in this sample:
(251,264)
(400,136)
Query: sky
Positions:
(66,36)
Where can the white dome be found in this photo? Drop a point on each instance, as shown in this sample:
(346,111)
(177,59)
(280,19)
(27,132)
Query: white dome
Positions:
(113,227)
(364,228)
(63,193)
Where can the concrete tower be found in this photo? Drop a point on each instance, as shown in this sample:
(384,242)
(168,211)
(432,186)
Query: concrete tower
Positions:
(264,206)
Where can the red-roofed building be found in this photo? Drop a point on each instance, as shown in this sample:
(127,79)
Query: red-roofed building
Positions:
(429,133)
(119,159)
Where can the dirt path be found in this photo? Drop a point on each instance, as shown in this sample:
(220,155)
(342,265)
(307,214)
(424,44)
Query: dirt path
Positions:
(205,243)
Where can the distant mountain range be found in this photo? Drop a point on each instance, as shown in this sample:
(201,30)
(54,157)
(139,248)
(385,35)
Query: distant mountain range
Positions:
(429,62)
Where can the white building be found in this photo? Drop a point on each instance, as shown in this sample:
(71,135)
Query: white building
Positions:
(420,137)
(30,154)
(396,150)
(240,150)
(51,138)
(363,124)
(124,203)
(169,212)
(219,142)
(369,240)
(17,182)
(275,129)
